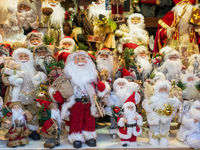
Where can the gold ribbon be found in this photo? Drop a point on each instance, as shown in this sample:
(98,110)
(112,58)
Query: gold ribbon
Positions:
(162,112)
(159,135)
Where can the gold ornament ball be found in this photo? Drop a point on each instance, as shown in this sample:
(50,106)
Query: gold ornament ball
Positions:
(168,111)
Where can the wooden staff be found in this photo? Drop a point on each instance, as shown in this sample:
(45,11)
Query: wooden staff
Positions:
(95,99)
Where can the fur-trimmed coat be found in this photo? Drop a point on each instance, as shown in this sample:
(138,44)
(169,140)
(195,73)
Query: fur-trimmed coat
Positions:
(127,132)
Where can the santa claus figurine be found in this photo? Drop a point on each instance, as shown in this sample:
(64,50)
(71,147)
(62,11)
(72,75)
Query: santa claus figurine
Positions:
(52,23)
(41,51)
(80,107)
(104,59)
(189,130)
(129,123)
(137,32)
(16,117)
(52,127)
(193,62)
(172,66)
(176,31)
(122,91)
(160,109)
(33,39)
(26,92)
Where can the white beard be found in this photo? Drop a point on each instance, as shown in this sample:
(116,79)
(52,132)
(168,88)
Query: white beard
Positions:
(105,64)
(40,61)
(194,113)
(17,115)
(122,94)
(28,44)
(144,64)
(28,68)
(58,13)
(129,115)
(191,90)
(70,50)
(81,75)
(55,114)
(173,67)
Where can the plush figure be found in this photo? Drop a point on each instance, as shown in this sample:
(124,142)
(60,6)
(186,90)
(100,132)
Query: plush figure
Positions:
(160,109)
(122,91)
(16,116)
(176,31)
(52,125)
(129,123)
(81,105)
(52,23)
(31,80)
(172,66)
(189,129)
(41,51)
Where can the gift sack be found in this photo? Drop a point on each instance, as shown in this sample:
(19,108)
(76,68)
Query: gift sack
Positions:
(63,85)
(195,16)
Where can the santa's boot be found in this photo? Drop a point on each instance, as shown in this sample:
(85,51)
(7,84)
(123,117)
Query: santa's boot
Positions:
(90,138)
(34,135)
(195,144)
(152,140)
(164,141)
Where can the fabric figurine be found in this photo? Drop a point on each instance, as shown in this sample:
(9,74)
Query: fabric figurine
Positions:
(129,123)
(16,117)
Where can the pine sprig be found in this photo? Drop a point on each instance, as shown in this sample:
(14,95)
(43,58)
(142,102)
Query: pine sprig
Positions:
(182,85)
(197,85)
(48,40)
(153,74)
(82,47)
(128,57)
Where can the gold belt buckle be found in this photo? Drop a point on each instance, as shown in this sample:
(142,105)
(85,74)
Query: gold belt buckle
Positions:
(83,100)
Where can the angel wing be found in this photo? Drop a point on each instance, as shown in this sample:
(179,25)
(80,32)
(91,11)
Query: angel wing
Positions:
(148,90)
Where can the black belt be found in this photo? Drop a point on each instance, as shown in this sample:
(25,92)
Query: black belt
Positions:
(84,100)
(131,125)
(19,125)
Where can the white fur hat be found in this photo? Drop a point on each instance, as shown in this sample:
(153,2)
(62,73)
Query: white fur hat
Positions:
(34,33)
(19,51)
(140,49)
(134,16)
(186,76)
(67,39)
(169,51)
(42,46)
(77,53)
(161,83)
(115,84)
(27,2)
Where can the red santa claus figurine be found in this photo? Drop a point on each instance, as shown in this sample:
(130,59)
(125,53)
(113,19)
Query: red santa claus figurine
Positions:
(129,123)
(81,106)
(174,28)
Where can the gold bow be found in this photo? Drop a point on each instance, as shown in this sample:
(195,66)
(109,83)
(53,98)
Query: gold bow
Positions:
(168,110)
(159,135)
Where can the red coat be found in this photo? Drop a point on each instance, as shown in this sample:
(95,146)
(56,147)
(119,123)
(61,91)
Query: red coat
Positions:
(48,128)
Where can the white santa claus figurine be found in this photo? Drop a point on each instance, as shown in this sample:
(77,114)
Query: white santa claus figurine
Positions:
(33,39)
(160,110)
(67,45)
(172,66)
(190,92)
(104,59)
(194,64)
(129,123)
(142,60)
(122,91)
(137,32)
(190,127)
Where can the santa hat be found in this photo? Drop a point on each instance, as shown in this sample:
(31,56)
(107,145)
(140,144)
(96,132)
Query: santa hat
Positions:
(104,51)
(130,101)
(123,73)
(186,76)
(179,1)
(129,46)
(103,88)
(34,33)
(140,49)
(47,104)
(28,3)
(4,49)
(161,83)
(10,105)
(42,46)
(169,51)
(67,39)
(63,56)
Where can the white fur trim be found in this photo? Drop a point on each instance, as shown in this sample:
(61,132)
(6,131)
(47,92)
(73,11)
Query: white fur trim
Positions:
(137,133)
(69,40)
(140,49)
(169,51)
(161,83)
(67,128)
(133,16)
(145,105)
(115,84)
(26,2)
(19,51)
(133,144)
(113,131)
(89,135)
(121,122)
(50,92)
(126,136)
(32,127)
(101,94)
(76,137)
(125,142)
(15,80)
(15,93)
(129,104)
(186,76)
(77,53)
(195,104)
(140,120)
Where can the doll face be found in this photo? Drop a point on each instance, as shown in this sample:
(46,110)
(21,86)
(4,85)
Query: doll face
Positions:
(80,60)
(23,8)
(190,79)
(42,53)
(55,108)
(23,57)
(35,40)
(53,3)
(198,108)
(135,20)
(163,89)
(143,54)
(121,84)
(173,57)
(16,107)
(104,56)
(130,107)
(66,45)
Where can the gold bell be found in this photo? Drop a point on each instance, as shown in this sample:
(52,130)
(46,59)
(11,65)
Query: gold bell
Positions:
(168,111)
(41,94)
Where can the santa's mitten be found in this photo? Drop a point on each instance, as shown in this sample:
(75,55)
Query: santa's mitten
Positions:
(15,80)
(152,103)
(174,102)
(108,111)
(40,77)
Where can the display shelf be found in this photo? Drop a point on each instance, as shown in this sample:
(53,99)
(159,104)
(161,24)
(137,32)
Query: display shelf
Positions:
(104,141)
